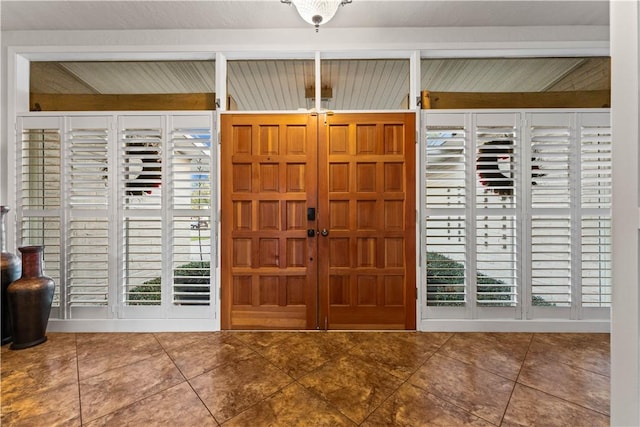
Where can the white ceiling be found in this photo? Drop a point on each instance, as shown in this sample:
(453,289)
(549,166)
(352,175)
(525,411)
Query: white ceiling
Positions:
(241,14)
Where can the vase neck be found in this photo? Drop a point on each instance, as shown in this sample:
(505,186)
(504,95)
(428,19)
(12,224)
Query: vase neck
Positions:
(31,261)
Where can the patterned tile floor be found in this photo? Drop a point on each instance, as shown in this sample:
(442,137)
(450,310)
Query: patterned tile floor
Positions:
(308,379)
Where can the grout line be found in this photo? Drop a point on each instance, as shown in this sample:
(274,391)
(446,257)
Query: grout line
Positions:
(75,340)
(515,382)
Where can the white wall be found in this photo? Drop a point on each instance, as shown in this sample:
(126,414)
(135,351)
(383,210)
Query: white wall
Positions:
(625,324)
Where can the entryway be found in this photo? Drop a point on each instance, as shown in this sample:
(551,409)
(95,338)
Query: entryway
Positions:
(318,221)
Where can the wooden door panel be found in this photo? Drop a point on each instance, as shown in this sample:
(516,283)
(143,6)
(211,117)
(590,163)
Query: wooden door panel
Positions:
(367,203)
(358,170)
(268,277)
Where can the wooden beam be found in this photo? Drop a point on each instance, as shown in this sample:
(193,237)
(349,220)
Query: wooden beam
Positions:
(473,100)
(100,102)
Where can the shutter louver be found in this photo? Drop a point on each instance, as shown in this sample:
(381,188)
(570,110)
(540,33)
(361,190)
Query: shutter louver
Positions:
(445,167)
(550,151)
(446,261)
(496,260)
(142,167)
(40,169)
(45,231)
(89,168)
(88,262)
(551,261)
(496,166)
(143,261)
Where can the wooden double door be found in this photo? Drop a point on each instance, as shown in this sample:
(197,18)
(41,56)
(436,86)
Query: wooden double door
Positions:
(318,221)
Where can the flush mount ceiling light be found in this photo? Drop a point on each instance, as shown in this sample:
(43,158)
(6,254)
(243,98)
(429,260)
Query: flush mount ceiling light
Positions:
(317,12)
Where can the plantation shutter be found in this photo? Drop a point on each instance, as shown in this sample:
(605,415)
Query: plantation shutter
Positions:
(191,178)
(445,154)
(88,183)
(141,167)
(517,214)
(595,202)
(124,205)
(39,189)
(497,156)
(553,188)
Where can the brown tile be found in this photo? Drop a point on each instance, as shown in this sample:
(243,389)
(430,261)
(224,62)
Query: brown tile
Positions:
(473,389)
(98,353)
(292,406)
(399,353)
(208,353)
(231,388)
(301,353)
(260,340)
(575,385)
(411,406)
(586,351)
(500,353)
(177,340)
(57,345)
(176,406)
(117,388)
(38,376)
(352,385)
(59,406)
(529,407)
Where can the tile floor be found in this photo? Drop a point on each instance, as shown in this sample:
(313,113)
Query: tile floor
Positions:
(308,379)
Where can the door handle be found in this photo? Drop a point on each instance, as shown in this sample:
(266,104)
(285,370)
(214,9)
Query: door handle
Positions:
(311,232)
(324,232)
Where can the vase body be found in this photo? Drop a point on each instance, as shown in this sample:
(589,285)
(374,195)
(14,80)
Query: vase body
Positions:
(10,273)
(30,299)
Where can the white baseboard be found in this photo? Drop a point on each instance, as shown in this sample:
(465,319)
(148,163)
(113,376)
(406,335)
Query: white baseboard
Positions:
(132,325)
(503,325)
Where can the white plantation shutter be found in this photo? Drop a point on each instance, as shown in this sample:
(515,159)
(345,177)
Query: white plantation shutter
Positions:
(87,180)
(497,157)
(191,170)
(553,183)
(39,168)
(124,205)
(517,214)
(595,199)
(142,145)
(445,154)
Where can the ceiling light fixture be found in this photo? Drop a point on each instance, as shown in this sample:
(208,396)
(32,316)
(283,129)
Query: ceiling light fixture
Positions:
(317,12)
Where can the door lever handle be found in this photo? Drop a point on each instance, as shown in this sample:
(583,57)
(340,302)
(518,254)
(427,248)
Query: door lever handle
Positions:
(324,232)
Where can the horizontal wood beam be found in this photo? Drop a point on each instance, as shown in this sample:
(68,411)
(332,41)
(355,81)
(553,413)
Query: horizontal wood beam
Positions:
(129,102)
(472,100)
